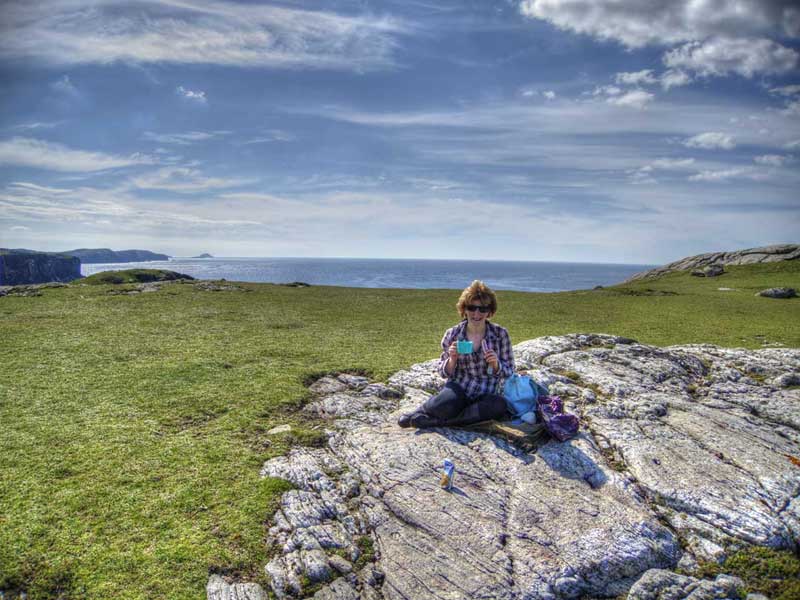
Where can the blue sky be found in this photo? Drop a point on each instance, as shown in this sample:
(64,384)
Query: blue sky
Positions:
(575,130)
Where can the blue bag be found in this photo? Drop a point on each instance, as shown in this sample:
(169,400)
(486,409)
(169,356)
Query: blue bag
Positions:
(521,394)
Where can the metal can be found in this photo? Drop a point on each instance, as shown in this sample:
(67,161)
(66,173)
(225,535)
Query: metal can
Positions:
(448,475)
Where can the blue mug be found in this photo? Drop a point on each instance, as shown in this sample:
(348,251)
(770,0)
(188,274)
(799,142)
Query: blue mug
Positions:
(464,347)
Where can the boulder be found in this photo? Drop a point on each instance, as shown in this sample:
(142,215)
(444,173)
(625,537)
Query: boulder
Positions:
(693,443)
(781,292)
(709,271)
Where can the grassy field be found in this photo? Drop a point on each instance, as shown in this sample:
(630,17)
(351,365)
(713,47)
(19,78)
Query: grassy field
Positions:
(133,426)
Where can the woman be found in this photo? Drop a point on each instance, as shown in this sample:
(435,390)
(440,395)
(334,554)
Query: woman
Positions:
(472,378)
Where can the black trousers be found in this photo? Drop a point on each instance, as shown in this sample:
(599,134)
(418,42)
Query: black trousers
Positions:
(452,407)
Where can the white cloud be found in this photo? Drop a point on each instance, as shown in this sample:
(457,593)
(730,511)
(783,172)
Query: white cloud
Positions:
(65,86)
(638,99)
(111,206)
(36,125)
(710,141)
(549,94)
(664,22)
(192,95)
(20,228)
(636,78)
(672,163)
(184,180)
(272,135)
(641,176)
(674,78)
(618,97)
(608,90)
(719,37)
(568,127)
(723,175)
(39,154)
(786,90)
(646,173)
(183,139)
(198,32)
(21,185)
(793,145)
(723,56)
(772,160)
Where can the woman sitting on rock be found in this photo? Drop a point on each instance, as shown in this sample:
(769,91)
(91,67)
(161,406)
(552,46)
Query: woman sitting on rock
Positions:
(473,373)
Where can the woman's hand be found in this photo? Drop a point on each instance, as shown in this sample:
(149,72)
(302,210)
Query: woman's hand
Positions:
(452,359)
(453,351)
(491,358)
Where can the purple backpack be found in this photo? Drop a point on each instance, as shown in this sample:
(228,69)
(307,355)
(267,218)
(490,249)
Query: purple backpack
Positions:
(559,424)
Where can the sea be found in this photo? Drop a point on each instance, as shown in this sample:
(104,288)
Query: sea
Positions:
(395,273)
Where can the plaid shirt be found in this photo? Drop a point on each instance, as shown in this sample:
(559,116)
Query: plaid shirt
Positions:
(472,370)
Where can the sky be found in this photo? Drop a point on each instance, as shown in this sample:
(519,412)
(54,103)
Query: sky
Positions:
(623,131)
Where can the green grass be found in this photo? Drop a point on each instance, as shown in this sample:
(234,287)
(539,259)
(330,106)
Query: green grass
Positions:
(133,427)
(774,573)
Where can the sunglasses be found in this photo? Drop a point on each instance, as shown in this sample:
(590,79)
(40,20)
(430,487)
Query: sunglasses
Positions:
(474,307)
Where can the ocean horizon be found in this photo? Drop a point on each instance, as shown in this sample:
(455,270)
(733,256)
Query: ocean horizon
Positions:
(402,273)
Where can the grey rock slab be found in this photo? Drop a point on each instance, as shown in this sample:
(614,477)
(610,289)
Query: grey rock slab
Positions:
(285,572)
(219,589)
(722,463)
(306,468)
(628,370)
(512,525)
(340,589)
(658,584)
(355,382)
(693,442)
(530,353)
(327,385)
(370,409)
(342,565)
(422,376)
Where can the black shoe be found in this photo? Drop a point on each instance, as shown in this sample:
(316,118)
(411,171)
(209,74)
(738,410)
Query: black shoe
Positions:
(423,421)
(405,420)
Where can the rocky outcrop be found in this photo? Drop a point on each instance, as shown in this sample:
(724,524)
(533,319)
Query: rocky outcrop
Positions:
(105,255)
(20,267)
(774,253)
(685,453)
(29,290)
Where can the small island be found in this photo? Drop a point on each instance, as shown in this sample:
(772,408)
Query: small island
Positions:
(203,255)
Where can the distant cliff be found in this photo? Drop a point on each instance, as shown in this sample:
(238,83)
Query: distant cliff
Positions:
(106,255)
(20,266)
(774,253)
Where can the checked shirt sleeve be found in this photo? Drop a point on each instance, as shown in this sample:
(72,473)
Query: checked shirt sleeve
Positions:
(505,354)
(449,337)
